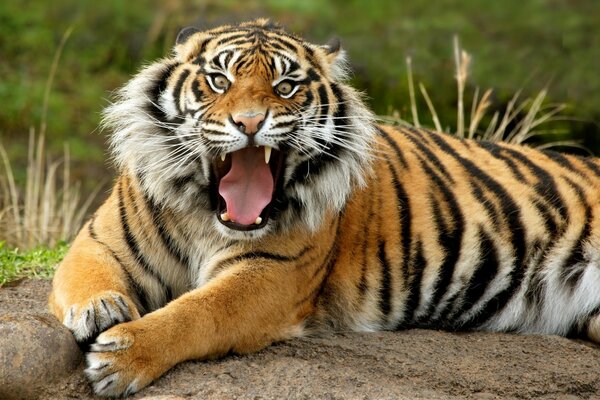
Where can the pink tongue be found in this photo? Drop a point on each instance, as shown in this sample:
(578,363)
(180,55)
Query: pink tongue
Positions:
(248,186)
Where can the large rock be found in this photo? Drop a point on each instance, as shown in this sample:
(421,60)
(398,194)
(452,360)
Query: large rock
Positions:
(35,350)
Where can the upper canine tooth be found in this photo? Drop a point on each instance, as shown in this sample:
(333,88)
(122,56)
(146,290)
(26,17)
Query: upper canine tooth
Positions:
(223,156)
(267,154)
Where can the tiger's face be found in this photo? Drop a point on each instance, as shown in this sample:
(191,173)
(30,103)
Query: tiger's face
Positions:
(247,123)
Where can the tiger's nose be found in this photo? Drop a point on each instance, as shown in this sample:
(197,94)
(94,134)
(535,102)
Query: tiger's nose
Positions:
(248,123)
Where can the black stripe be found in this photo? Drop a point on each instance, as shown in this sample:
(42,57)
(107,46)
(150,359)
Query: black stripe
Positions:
(404,219)
(564,162)
(309,99)
(179,183)
(385,286)
(363,284)
(414,287)
(285,43)
(213,132)
(283,124)
(450,239)
(320,292)
(260,254)
(546,186)
(485,272)
(547,217)
(159,86)
(591,165)
(495,150)
(233,37)
(323,104)
(243,61)
(135,288)
(313,76)
(134,247)
(491,208)
(276,46)
(574,267)
(177,90)
(417,139)
(394,146)
(168,241)
(294,66)
(198,93)
(537,278)
(214,122)
(339,117)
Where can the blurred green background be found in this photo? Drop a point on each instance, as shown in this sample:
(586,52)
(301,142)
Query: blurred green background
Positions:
(516,45)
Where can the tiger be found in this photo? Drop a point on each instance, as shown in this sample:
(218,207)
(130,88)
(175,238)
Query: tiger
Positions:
(259,200)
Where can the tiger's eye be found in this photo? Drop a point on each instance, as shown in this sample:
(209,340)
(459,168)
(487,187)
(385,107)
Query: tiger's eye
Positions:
(284,88)
(220,82)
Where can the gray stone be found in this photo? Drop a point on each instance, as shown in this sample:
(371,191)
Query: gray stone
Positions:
(35,350)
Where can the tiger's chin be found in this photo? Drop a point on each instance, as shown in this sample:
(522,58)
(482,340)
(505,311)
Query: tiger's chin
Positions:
(245,186)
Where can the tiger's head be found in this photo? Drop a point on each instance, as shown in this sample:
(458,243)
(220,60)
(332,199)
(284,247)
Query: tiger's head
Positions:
(246,124)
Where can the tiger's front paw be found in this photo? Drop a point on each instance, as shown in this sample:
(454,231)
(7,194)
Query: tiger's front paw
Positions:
(102,311)
(123,361)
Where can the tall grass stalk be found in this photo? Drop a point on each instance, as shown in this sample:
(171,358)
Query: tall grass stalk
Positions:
(42,213)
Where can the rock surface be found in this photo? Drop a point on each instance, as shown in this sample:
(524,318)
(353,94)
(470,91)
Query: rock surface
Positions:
(35,350)
(413,364)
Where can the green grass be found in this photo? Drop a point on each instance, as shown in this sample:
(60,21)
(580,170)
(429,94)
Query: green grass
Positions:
(37,263)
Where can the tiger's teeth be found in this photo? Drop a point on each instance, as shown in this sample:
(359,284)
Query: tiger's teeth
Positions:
(223,156)
(258,220)
(225,217)
(267,154)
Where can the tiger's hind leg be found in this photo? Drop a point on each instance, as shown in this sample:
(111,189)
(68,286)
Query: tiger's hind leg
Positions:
(90,289)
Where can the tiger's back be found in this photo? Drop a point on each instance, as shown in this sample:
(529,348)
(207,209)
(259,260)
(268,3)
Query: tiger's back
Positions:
(459,234)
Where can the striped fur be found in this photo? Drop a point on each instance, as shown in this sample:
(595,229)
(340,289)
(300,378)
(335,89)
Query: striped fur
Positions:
(372,228)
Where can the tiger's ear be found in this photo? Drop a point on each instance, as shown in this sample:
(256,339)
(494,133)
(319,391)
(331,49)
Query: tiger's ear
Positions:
(185,33)
(336,59)
(184,47)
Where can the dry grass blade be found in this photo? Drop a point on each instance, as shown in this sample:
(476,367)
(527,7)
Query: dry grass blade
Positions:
(564,143)
(478,110)
(43,215)
(411,93)
(517,123)
(462,61)
(434,115)
(10,199)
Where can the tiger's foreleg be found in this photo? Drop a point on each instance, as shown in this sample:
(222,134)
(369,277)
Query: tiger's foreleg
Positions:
(90,291)
(244,309)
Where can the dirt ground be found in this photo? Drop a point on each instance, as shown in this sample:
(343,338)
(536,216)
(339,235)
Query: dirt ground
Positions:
(413,364)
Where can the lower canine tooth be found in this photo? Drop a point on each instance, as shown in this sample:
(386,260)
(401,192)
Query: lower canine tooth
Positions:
(258,220)
(267,154)
(225,217)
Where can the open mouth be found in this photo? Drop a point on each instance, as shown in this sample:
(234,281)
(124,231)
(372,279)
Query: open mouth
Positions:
(245,185)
